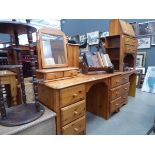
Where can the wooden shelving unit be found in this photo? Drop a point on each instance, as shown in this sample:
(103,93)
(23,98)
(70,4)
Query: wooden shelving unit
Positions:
(121,45)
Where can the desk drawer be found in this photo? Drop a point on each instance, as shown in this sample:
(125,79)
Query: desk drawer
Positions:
(71,95)
(115,104)
(116,81)
(115,93)
(125,88)
(124,98)
(5,80)
(75,128)
(73,112)
(125,78)
(70,73)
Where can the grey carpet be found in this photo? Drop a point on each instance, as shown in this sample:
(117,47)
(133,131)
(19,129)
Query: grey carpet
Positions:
(135,118)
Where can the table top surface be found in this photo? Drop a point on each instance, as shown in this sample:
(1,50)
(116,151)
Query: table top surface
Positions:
(9,27)
(6,73)
(82,78)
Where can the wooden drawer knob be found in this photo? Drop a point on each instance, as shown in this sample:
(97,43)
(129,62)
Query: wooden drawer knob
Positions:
(117,104)
(124,97)
(125,88)
(75,95)
(76,129)
(125,78)
(117,81)
(75,112)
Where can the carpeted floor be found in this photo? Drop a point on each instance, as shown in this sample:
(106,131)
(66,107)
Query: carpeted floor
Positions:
(135,118)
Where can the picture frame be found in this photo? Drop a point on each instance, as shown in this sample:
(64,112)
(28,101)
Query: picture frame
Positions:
(82,38)
(93,38)
(149,81)
(135,27)
(153,40)
(51,47)
(144,42)
(140,59)
(146,28)
(76,38)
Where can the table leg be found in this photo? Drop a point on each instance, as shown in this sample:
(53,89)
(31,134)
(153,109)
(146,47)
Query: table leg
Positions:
(13,87)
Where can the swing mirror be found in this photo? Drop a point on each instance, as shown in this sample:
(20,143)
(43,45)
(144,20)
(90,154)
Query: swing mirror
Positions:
(52,47)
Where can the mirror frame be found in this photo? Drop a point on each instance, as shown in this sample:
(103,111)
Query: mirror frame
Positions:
(41,58)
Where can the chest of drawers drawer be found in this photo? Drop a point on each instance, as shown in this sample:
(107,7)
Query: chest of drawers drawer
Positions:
(124,79)
(125,88)
(124,98)
(116,81)
(71,95)
(115,104)
(73,112)
(76,127)
(115,93)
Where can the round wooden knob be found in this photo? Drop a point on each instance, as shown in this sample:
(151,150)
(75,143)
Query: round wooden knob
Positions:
(75,95)
(117,81)
(125,78)
(75,112)
(76,129)
(125,88)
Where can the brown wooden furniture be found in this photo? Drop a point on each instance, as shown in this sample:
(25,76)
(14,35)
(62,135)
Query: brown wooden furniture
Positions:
(9,78)
(51,48)
(122,50)
(121,45)
(52,55)
(119,27)
(101,94)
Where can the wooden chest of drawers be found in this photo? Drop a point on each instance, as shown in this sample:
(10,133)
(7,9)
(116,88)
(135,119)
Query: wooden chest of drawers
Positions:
(119,91)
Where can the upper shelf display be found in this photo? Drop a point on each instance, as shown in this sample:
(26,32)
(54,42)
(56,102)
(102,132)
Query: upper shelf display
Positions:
(51,46)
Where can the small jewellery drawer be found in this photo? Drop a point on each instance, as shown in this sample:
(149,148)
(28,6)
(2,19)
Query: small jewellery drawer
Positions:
(70,73)
(125,78)
(73,112)
(125,88)
(51,76)
(71,95)
(75,128)
(115,93)
(115,104)
(116,81)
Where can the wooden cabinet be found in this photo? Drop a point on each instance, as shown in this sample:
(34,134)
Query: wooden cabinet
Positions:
(122,50)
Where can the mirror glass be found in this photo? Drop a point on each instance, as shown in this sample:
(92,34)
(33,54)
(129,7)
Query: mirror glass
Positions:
(53,49)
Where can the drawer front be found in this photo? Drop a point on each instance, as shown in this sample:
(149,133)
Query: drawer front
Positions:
(51,76)
(130,49)
(125,79)
(130,41)
(72,95)
(125,88)
(116,81)
(70,73)
(115,93)
(75,128)
(115,104)
(73,112)
(124,98)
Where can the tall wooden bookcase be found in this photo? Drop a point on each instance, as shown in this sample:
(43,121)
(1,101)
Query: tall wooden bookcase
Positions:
(121,45)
